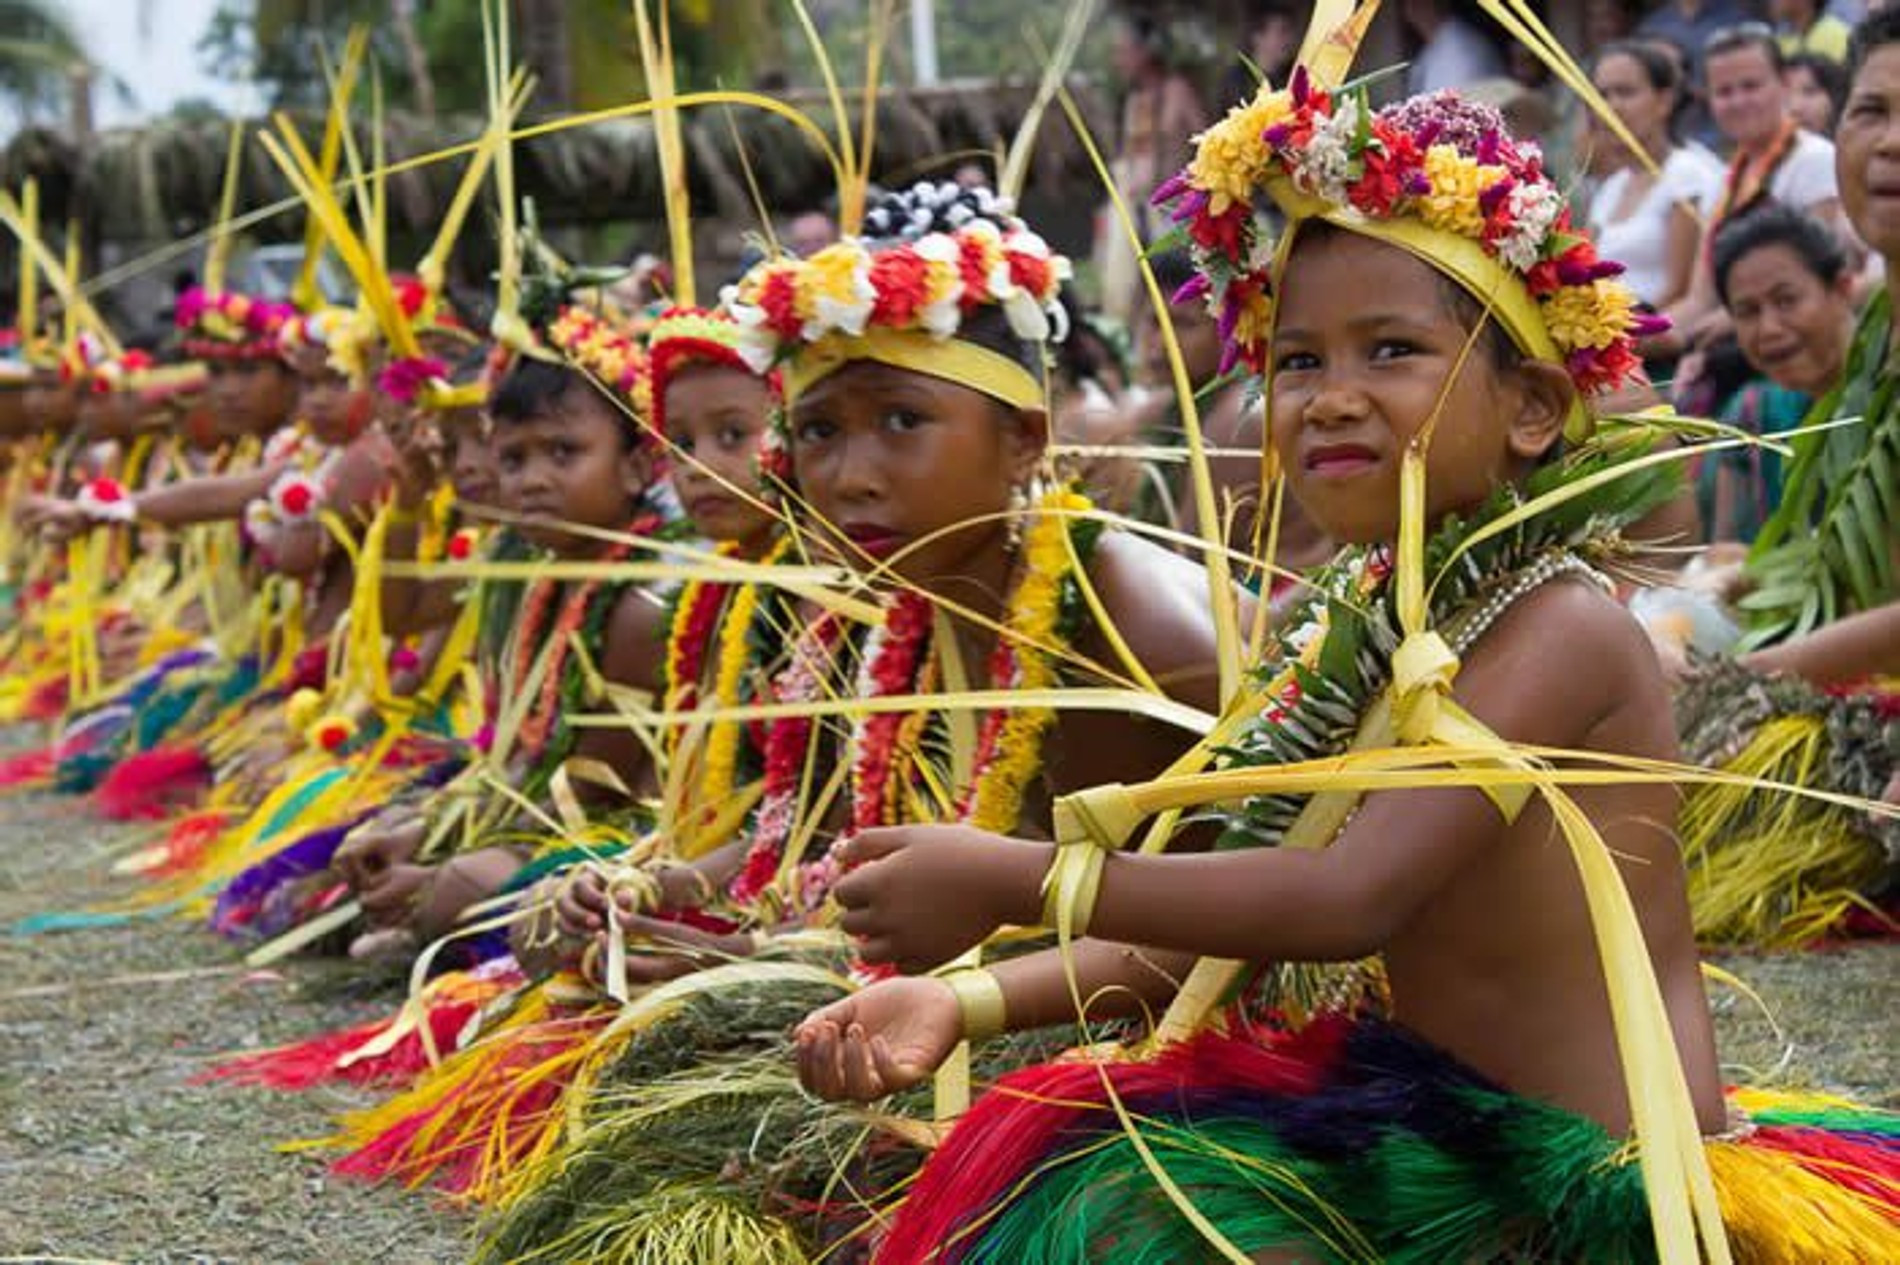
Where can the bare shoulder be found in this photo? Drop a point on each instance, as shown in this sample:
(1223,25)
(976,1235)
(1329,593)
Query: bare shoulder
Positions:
(1160,605)
(1558,664)
(634,652)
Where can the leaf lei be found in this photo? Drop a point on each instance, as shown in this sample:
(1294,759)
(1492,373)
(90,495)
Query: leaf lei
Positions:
(1827,550)
(1335,658)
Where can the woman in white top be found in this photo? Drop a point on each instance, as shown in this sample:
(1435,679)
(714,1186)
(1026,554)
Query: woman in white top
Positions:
(1774,161)
(1650,221)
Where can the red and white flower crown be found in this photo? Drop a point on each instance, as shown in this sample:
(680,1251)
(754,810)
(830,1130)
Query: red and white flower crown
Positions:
(928,284)
(683,336)
(1438,175)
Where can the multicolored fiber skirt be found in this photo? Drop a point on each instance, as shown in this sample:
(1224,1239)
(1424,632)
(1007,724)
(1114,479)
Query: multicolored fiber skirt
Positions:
(1354,1140)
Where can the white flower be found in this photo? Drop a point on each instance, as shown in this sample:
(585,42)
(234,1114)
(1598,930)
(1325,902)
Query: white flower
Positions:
(1326,163)
(1534,209)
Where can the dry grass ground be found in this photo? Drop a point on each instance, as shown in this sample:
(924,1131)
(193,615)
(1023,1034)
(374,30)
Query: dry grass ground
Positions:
(109,1152)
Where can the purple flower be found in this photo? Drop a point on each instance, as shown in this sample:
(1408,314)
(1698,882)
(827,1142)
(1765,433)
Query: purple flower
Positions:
(1491,198)
(191,307)
(1171,188)
(1229,316)
(1194,288)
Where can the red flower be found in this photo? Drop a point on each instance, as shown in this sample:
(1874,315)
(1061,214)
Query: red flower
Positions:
(1031,272)
(973,269)
(410,294)
(298,499)
(901,278)
(1391,167)
(778,299)
(331,735)
(1221,233)
(462,545)
(106,491)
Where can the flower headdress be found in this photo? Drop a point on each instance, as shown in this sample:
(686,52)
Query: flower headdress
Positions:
(226,325)
(684,336)
(931,259)
(594,341)
(1438,176)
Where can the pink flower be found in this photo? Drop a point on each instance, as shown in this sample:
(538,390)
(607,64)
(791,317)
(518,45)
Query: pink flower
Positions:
(403,380)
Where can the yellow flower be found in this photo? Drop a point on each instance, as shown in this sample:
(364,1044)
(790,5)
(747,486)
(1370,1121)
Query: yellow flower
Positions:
(1593,315)
(1452,204)
(835,287)
(1030,625)
(1253,326)
(1230,157)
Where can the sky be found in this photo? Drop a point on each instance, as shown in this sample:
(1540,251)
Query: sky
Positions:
(159,64)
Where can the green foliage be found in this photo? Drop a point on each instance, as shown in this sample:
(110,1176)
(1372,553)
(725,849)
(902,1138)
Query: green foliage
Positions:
(37,50)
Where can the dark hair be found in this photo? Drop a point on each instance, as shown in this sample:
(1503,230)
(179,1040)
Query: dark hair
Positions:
(1828,73)
(1875,31)
(1663,72)
(534,388)
(1733,39)
(1817,245)
(1173,269)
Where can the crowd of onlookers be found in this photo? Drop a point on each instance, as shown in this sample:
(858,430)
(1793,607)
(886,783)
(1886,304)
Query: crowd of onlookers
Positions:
(1729,221)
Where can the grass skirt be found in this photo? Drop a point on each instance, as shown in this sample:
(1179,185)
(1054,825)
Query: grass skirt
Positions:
(1354,1140)
(1772,870)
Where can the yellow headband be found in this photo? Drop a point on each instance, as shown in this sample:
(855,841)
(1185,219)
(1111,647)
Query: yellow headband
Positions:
(951,359)
(1463,259)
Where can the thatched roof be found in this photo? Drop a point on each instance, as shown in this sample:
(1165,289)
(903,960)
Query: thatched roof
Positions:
(162,181)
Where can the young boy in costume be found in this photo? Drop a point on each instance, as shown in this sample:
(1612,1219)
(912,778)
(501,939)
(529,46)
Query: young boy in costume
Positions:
(1485,1114)
(571,463)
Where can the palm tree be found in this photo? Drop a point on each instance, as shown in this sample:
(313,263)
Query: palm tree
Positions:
(39,56)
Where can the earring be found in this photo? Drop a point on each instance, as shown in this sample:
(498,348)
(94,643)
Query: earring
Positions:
(1018,515)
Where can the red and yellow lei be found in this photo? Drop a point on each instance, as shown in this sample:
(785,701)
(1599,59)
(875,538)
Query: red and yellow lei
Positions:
(897,661)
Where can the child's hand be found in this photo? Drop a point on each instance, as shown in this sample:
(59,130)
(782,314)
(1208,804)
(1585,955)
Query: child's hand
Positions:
(371,849)
(677,948)
(888,1037)
(917,896)
(580,908)
(391,898)
(418,468)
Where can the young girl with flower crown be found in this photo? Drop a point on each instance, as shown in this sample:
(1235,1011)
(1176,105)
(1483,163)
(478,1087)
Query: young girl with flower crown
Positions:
(915,425)
(1539,999)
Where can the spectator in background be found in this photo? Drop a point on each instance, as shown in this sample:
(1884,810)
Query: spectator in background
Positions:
(1607,21)
(1784,278)
(809,233)
(1650,221)
(1452,53)
(1270,41)
(1774,160)
(1816,88)
(1689,24)
(1806,27)
(1160,114)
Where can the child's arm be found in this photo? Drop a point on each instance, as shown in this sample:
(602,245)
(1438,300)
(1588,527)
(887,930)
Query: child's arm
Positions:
(412,604)
(1851,649)
(633,654)
(919,904)
(206,500)
(895,1033)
